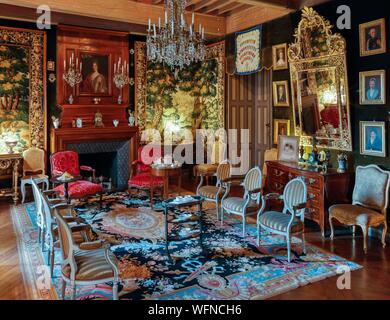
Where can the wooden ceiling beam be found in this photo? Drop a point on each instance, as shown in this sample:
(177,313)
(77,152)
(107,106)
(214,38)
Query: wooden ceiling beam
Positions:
(216,5)
(121,10)
(233,8)
(204,3)
(274,4)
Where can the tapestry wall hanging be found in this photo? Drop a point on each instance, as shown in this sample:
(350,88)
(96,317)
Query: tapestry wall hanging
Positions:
(248,51)
(22,90)
(195,100)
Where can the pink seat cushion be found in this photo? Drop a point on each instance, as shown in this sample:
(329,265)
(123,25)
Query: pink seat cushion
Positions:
(144,180)
(80,189)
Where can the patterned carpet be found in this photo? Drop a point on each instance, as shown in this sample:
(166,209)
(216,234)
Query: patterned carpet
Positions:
(234,268)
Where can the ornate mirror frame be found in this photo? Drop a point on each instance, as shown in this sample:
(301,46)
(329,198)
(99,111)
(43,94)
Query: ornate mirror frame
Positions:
(316,49)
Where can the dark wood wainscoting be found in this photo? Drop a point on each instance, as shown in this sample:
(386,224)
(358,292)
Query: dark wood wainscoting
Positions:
(249,106)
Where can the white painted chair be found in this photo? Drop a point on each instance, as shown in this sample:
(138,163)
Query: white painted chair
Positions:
(289,222)
(215,193)
(250,203)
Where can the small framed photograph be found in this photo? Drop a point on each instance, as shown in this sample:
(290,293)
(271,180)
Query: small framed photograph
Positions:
(288,149)
(373,87)
(281,128)
(373,138)
(372,38)
(279,56)
(281,94)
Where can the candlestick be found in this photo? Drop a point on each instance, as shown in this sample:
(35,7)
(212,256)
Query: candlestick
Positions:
(159,23)
(166,17)
(150,23)
(193,18)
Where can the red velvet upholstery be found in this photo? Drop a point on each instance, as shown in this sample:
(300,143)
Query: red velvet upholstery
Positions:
(80,189)
(68,161)
(146,181)
(65,161)
(146,156)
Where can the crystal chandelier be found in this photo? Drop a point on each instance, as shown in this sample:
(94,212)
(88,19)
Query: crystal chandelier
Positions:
(175,43)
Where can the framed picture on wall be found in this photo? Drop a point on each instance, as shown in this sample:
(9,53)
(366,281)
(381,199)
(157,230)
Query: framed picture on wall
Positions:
(96,74)
(373,87)
(281,128)
(281,94)
(373,138)
(372,38)
(288,149)
(279,56)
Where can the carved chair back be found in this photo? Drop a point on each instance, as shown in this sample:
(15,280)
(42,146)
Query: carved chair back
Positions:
(295,193)
(33,161)
(65,161)
(253,181)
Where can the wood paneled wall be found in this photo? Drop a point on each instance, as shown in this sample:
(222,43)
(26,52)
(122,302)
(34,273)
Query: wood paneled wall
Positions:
(249,106)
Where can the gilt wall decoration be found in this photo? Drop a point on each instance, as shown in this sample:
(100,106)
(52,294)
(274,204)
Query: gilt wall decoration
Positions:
(193,100)
(22,90)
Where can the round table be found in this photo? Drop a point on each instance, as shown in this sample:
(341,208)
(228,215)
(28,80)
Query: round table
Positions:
(66,182)
(166,173)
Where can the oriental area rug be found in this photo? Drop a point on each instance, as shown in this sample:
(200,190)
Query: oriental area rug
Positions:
(233,268)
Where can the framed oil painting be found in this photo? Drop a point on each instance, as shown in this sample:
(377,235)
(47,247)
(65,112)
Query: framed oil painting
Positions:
(281,128)
(22,90)
(373,87)
(288,148)
(194,100)
(372,38)
(279,57)
(281,94)
(96,75)
(373,138)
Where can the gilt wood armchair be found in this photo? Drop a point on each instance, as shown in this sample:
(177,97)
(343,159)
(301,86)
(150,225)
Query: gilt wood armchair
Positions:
(291,220)
(369,206)
(33,168)
(88,263)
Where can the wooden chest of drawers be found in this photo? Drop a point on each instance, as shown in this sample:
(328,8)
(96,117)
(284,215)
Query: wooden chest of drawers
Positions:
(324,190)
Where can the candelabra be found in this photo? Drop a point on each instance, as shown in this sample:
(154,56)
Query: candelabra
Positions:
(121,77)
(73,76)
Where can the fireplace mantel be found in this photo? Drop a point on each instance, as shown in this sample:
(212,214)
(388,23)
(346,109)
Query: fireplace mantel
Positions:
(62,137)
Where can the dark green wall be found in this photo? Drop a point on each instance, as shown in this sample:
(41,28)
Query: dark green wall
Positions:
(282,30)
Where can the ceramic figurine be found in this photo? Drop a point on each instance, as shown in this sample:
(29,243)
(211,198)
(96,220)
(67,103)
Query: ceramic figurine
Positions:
(56,122)
(131,118)
(71,100)
(115,123)
(342,160)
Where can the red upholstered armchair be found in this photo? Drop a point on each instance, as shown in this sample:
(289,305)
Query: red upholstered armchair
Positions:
(141,178)
(68,161)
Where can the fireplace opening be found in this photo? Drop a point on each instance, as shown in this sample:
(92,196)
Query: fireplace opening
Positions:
(105,164)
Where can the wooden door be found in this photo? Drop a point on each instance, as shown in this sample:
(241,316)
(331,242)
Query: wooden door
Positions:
(249,107)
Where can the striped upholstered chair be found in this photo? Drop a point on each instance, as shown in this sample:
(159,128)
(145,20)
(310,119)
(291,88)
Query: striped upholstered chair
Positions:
(215,193)
(291,220)
(250,203)
(89,263)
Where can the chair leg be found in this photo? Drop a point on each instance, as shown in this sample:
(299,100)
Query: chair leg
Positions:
(52,260)
(243,226)
(288,249)
(217,208)
(73,286)
(63,289)
(43,238)
(258,234)
(331,227)
(365,236)
(384,233)
(115,291)
(47,184)
(23,190)
(222,214)
(303,243)
(354,231)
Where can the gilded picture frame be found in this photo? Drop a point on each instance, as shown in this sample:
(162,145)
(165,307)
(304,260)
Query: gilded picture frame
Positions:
(281,128)
(372,93)
(280,63)
(373,138)
(281,94)
(373,34)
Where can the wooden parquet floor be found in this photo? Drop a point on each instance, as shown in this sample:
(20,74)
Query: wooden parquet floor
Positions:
(371,282)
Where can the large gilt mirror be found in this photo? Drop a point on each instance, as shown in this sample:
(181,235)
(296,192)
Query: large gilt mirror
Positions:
(320,84)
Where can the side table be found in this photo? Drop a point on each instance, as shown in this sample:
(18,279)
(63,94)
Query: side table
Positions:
(13,161)
(189,219)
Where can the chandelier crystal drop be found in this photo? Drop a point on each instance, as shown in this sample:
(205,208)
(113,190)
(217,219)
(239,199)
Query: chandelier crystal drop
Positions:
(174,42)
